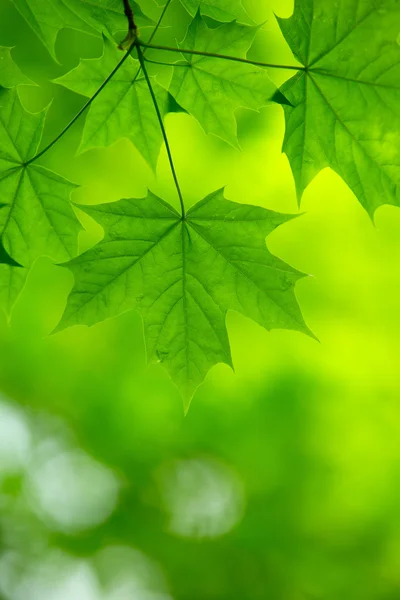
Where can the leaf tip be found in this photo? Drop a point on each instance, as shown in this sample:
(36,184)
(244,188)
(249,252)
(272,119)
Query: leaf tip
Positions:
(58,328)
(279,98)
(186,405)
(6,258)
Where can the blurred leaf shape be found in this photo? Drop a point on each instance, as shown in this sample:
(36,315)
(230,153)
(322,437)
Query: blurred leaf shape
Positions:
(10,74)
(219,10)
(12,281)
(89,16)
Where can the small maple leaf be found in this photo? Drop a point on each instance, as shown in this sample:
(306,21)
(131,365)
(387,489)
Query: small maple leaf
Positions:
(126,109)
(212,89)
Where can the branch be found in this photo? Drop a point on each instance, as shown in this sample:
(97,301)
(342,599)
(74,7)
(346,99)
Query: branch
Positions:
(131,36)
(223,56)
(164,133)
(129,16)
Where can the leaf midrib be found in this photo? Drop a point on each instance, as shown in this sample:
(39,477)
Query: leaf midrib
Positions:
(130,266)
(242,273)
(324,73)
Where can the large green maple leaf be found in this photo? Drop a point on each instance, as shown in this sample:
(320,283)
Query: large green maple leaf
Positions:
(126,108)
(346,104)
(212,89)
(183,276)
(47,17)
(36,216)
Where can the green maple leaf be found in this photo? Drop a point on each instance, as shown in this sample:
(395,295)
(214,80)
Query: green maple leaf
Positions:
(12,281)
(48,17)
(36,216)
(12,276)
(10,75)
(212,89)
(346,104)
(126,108)
(183,276)
(220,10)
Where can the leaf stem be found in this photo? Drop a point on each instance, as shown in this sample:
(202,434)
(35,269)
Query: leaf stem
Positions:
(223,56)
(103,85)
(164,133)
(166,64)
(156,28)
(82,110)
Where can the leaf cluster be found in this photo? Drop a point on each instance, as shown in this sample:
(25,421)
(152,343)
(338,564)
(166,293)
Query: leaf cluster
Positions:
(184,271)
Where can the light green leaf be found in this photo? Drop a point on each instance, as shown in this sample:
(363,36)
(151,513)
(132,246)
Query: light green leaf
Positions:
(183,276)
(220,10)
(36,216)
(48,17)
(346,105)
(5,258)
(125,109)
(212,89)
(12,281)
(12,275)
(10,75)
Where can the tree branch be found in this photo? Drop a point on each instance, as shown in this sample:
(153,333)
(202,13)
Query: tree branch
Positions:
(129,16)
(131,36)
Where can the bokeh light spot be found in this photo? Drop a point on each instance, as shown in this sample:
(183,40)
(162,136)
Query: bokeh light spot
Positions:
(129,574)
(73,491)
(203,497)
(56,576)
(15,438)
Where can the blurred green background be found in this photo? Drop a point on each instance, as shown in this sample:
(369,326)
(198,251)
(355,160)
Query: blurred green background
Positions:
(282,482)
